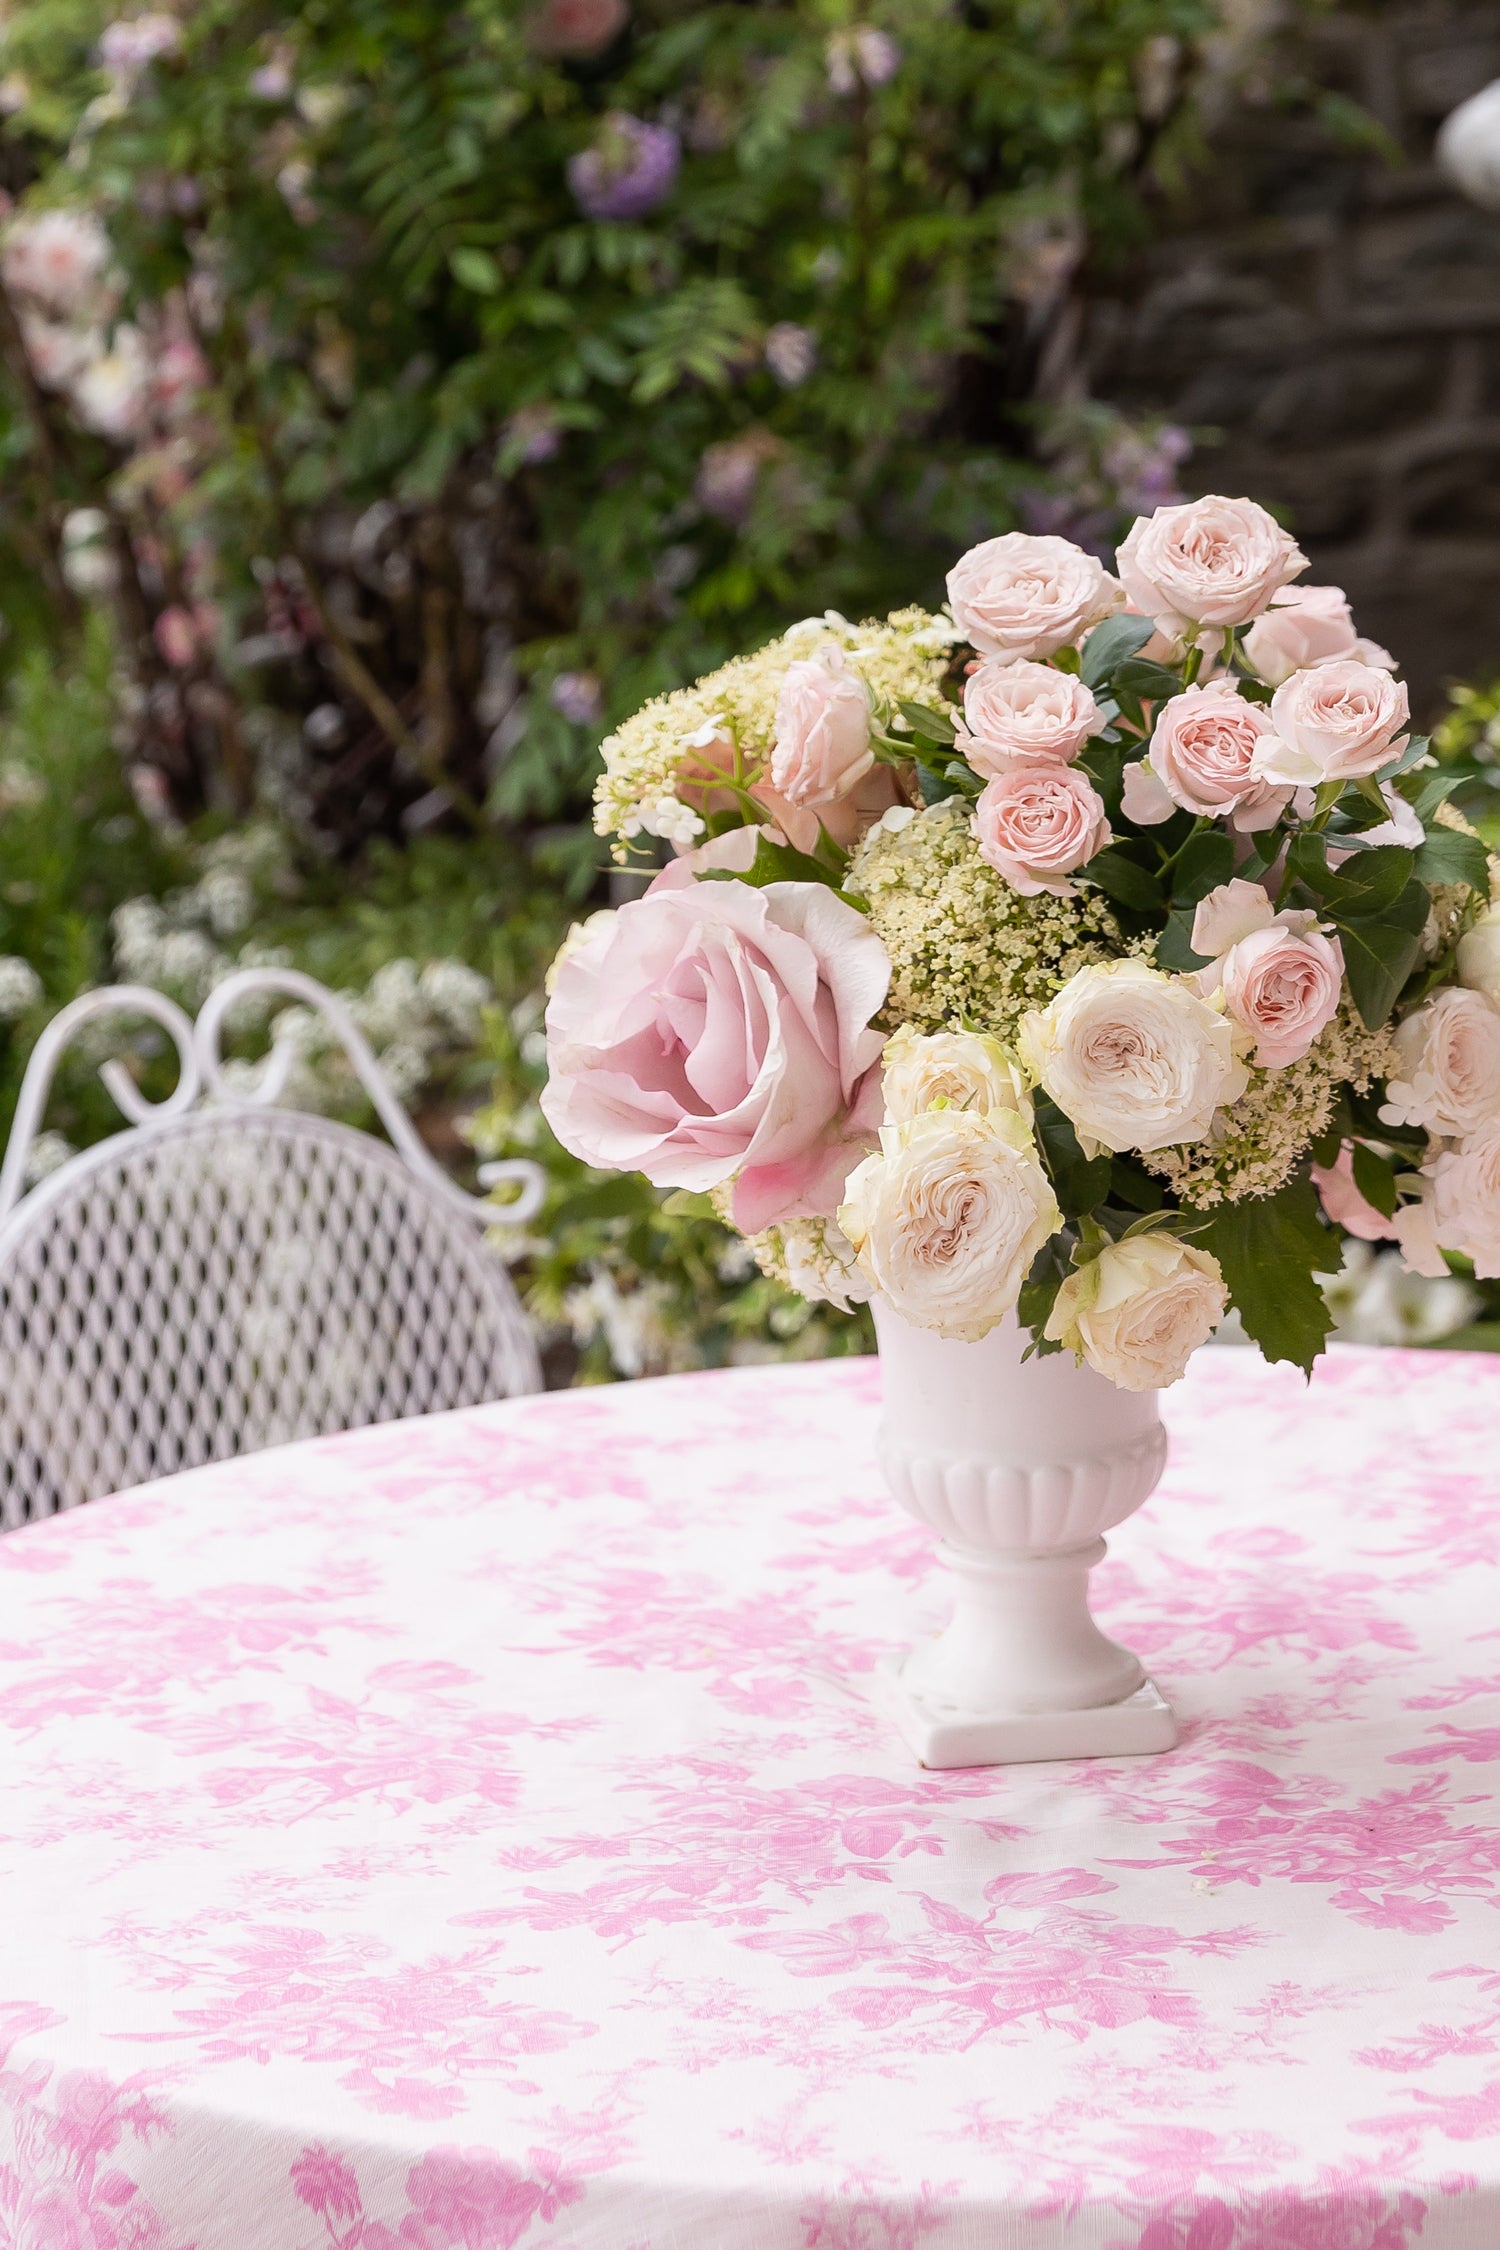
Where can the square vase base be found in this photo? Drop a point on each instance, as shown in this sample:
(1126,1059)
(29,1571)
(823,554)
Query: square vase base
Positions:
(943,1737)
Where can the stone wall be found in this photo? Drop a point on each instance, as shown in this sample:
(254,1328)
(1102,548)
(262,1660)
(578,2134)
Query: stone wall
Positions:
(1327,318)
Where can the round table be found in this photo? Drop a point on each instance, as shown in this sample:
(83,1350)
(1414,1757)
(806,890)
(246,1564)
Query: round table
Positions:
(475,1832)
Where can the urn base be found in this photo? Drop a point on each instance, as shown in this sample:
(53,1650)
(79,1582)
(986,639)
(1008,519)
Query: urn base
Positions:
(941,1735)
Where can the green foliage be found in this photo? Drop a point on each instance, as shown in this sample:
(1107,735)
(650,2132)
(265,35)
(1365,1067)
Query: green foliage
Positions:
(1271,1248)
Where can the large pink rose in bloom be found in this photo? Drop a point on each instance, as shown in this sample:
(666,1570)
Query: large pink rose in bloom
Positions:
(1335,722)
(1027,594)
(1025,710)
(1036,823)
(1207,562)
(1201,754)
(1307,625)
(712,1031)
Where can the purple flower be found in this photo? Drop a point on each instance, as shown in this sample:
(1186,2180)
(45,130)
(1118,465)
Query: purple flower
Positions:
(628,170)
(576,696)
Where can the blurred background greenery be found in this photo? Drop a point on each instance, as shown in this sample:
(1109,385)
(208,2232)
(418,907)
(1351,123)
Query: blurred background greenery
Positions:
(392,397)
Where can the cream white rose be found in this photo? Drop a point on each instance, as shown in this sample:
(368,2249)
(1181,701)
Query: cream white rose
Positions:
(1479,953)
(962,1069)
(1447,1077)
(1336,722)
(1025,711)
(947,1216)
(1207,562)
(1466,1201)
(1133,1057)
(1026,595)
(822,748)
(1139,1311)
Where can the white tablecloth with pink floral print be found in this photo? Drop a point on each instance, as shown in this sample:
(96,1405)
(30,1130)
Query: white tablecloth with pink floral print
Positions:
(474,1833)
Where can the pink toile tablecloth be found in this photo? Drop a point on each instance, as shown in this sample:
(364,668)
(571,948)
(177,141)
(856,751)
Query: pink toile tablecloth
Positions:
(473,1833)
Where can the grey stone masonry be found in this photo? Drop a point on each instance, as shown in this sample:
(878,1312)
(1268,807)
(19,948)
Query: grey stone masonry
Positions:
(1326,319)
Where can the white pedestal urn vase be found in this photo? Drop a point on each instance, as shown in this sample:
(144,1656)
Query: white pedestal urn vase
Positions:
(1020,1467)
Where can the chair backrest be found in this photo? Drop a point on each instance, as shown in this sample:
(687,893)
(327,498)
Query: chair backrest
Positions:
(221,1278)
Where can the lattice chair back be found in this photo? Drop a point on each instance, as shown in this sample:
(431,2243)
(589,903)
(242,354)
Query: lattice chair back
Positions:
(226,1275)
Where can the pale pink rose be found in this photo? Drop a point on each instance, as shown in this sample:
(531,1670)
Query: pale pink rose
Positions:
(1447,1075)
(1202,748)
(822,747)
(1280,976)
(1343,1203)
(709,760)
(734,852)
(1466,1200)
(1335,722)
(1208,562)
(1416,1236)
(1036,823)
(1025,710)
(1028,594)
(720,1033)
(1283,985)
(1306,626)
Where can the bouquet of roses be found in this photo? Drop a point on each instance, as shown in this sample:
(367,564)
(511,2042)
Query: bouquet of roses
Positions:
(1102,950)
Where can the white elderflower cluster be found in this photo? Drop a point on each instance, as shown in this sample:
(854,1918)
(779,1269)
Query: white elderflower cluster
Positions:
(902,657)
(815,1259)
(667,817)
(962,942)
(1254,1145)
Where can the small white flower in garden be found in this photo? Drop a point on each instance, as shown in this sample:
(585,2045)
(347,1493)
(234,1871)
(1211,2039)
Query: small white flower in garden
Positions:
(271,81)
(821,1265)
(1133,1057)
(129,47)
(1468,147)
(576,696)
(111,394)
(1374,1299)
(1209,562)
(947,1215)
(322,106)
(61,262)
(1139,1311)
(227,897)
(88,562)
(863,55)
(791,353)
(21,786)
(962,1069)
(459,995)
(407,1069)
(47,1154)
(1026,595)
(20,987)
(1447,1077)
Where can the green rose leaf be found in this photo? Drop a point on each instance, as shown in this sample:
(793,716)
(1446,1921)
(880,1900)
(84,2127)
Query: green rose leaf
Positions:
(1124,880)
(775,863)
(1374,1179)
(1270,1247)
(1449,856)
(1112,644)
(1367,882)
(1381,952)
(1152,683)
(1203,864)
(926,723)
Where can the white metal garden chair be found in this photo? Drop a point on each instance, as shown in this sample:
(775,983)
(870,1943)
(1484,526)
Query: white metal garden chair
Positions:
(226,1275)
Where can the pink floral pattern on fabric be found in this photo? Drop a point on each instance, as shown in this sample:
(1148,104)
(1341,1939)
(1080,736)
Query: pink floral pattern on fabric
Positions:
(474,1835)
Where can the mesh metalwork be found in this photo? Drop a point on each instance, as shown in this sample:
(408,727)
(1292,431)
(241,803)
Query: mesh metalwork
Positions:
(230,1281)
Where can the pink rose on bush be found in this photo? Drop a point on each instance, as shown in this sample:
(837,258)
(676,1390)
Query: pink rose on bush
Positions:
(1025,710)
(1027,594)
(1335,722)
(1208,562)
(1307,625)
(1036,823)
(1281,977)
(714,1031)
(1202,751)
(822,748)
(1343,1203)
(1447,1073)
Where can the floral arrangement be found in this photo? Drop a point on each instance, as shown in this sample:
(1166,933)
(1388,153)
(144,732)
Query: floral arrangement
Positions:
(1102,951)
